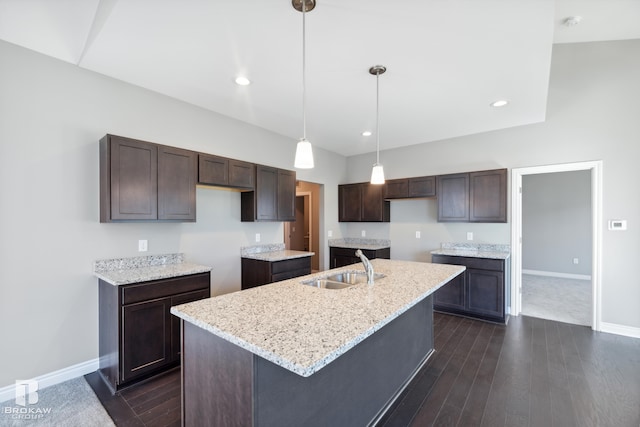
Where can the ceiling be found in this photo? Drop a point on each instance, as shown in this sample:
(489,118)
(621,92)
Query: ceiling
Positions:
(446,60)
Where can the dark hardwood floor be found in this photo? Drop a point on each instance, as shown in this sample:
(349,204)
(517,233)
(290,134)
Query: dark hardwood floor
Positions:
(533,372)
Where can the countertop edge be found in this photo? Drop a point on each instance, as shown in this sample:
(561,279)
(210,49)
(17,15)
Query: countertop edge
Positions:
(472,254)
(152,273)
(278,255)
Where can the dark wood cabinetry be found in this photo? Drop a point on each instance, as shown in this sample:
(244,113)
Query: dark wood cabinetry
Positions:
(409,188)
(259,272)
(473,197)
(142,181)
(362,202)
(224,172)
(481,292)
(274,197)
(138,335)
(339,257)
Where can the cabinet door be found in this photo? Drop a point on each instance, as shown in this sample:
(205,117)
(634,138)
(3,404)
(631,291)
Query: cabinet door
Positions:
(133,192)
(349,203)
(146,337)
(266,193)
(176,184)
(241,174)
(286,195)
(488,196)
(213,170)
(451,295)
(396,189)
(175,320)
(372,203)
(424,186)
(485,293)
(453,197)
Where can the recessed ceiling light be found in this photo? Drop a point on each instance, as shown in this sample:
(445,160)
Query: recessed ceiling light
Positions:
(243,81)
(499,103)
(572,20)
(366,133)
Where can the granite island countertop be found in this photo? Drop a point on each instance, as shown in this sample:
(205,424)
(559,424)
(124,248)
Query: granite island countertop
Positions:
(123,271)
(303,328)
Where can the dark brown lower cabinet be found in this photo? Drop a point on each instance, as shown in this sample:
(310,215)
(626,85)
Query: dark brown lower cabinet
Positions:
(339,257)
(259,272)
(481,292)
(139,337)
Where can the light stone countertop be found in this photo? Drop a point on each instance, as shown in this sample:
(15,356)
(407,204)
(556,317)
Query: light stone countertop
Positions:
(474,250)
(277,255)
(303,328)
(123,271)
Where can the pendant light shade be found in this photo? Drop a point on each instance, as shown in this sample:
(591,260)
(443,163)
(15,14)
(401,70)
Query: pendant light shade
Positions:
(304,151)
(304,155)
(377,173)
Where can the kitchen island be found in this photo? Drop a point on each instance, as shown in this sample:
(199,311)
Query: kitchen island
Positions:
(293,354)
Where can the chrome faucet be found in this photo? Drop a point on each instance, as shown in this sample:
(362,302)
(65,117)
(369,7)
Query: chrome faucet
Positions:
(368,268)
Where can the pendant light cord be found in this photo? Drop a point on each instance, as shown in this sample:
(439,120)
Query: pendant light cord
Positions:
(304,80)
(377,118)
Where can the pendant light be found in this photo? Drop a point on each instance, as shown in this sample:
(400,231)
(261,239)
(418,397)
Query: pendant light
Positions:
(304,151)
(377,173)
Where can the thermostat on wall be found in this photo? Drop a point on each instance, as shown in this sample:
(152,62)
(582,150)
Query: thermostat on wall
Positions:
(617,224)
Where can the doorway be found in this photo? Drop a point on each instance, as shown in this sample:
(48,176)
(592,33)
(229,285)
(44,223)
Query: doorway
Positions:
(303,233)
(595,171)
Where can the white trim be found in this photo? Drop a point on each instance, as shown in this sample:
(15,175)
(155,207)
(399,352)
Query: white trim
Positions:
(53,378)
(614,328)
(596,223)
(555,274)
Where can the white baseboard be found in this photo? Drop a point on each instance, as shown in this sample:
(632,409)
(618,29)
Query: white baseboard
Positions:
(53,378)
(554,274)
(614,328)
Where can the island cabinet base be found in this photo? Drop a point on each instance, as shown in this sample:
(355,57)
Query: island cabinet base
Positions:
(225,385)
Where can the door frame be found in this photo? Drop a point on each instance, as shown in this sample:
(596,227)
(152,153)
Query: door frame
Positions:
(309,215)
(596,231)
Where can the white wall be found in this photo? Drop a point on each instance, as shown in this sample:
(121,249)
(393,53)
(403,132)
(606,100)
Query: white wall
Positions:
(52,115)
(556,222)
(592,114)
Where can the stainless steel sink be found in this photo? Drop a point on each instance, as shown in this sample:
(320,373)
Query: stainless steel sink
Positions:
(353,277)
(341,280)
(326,284)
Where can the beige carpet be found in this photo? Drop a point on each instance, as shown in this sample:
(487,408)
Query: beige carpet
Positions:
(69,404)
(553,298)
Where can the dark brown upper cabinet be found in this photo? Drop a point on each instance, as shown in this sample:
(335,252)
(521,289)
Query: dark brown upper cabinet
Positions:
(362,202)
(225,172)
(274,197)
(473,197)
(408,188)
(142,181)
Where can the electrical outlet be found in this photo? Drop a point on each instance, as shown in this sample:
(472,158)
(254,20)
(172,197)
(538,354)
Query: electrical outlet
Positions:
(469,235)
(417,234)
(363,233)
(142,246)
(576,261)
(257,237)
(330,233)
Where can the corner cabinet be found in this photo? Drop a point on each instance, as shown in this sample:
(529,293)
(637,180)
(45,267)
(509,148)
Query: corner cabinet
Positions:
(481,292)
(138,336)
(362,202)
(473,197)
(143,181)
(339,256)
(274,197)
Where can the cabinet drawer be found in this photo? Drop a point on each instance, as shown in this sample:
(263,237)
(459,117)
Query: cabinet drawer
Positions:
(290,264)
(164,288)
(290,274)
(470,262)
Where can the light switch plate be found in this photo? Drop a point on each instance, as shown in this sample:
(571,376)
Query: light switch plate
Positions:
(469,235)
(142,246)
(330,233)
(363,233)
(257,237)
(417,234)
